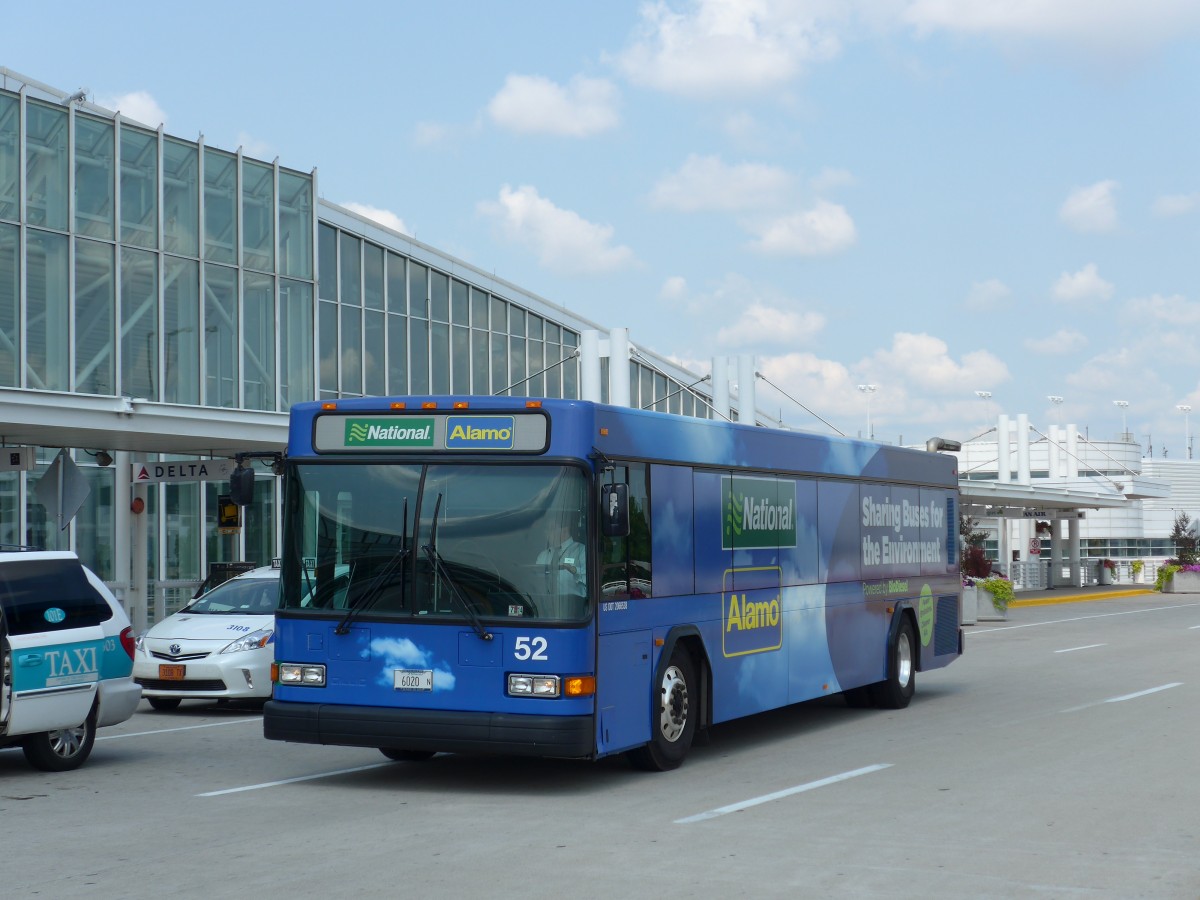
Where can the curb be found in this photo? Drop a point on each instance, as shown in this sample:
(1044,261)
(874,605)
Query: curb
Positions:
(1079,598)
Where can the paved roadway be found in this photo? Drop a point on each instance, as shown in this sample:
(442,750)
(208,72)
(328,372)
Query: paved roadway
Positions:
(1056,759)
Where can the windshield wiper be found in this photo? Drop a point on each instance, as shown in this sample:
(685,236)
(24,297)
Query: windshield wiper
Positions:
(375,588)
(439,566)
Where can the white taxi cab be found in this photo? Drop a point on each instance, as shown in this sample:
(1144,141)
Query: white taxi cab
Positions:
(66,651)
(218,647)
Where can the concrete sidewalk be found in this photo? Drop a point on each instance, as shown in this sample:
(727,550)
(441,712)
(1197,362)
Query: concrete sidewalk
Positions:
(1079,594)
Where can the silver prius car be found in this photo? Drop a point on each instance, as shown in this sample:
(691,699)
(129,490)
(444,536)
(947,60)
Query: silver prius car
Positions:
(218,647)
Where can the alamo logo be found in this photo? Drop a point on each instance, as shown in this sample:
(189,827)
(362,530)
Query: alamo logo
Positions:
(759,512)
(479,433)
(406,432)
(752,613)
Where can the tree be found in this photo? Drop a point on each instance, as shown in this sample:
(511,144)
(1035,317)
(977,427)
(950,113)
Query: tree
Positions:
(971,560)
(1185,540)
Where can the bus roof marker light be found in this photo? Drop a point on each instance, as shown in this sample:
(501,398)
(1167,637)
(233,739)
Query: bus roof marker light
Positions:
(329,405)
(461,404)
(428,404)
(533,404)
(399,405)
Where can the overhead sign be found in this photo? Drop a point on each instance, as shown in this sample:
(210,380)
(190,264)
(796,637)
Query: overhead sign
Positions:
(184,470)
(17,459)
(425,432)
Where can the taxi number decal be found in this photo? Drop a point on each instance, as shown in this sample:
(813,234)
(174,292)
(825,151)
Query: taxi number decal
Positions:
(530,648)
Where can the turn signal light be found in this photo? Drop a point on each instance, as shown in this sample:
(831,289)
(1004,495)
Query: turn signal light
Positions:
(579,686)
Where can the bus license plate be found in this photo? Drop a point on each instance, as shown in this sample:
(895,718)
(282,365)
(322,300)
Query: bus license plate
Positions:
(414,679)
(171,673)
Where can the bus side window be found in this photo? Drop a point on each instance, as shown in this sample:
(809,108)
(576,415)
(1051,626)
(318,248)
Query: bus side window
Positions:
(625,564)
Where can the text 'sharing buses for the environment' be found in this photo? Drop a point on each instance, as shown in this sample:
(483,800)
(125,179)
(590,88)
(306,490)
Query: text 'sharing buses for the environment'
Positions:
(564,578)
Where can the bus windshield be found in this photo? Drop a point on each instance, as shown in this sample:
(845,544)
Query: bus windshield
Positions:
(508,541)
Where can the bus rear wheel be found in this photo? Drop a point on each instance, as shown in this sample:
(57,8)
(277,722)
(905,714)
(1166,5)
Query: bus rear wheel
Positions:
(674,722)
(897,689)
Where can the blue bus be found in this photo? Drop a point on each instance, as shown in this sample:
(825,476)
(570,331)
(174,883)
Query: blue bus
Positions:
(569,579)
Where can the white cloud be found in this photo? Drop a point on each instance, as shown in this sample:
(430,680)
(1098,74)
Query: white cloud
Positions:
(1064,340)
(563,240)
(137,105)
(384,217)
(1084,285)
(925,361)
(531,104)
(725,46)
(830,179)
(823,230)
(986,296)
(1114,26)
(1091,209)
(1176,204)
(1174,311)
(762,325)
(674,288)
(705,182)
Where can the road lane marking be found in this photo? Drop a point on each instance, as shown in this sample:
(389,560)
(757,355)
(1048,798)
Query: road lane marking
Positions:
(778,795)
(1154,690)
(114,737)
(1084,647)
(1123,697)
(267,784)
(1128,612)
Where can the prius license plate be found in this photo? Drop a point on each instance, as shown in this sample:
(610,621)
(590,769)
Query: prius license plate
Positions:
(171,673)
(414,679)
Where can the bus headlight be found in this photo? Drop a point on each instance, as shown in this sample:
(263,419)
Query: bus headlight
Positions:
(307,675)
(533,685)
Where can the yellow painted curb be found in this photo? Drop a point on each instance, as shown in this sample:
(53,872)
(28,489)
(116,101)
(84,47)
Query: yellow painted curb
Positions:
(1079,598)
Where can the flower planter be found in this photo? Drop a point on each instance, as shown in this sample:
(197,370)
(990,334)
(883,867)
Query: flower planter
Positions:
(1106,576)
(986,609)
(1182,583)
(970,605)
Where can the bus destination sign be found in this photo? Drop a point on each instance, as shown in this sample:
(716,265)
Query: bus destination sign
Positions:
(407,433)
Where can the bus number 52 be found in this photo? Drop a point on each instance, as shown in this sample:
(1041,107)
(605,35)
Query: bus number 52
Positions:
(530,648)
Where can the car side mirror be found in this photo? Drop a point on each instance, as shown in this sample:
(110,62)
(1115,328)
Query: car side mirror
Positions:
(614,511)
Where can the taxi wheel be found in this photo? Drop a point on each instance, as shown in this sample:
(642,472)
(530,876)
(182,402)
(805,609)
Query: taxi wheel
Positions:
(406,755)
(163,704)
(62,750)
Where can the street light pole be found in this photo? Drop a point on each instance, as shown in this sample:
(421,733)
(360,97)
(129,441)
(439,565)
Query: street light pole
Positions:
(1187,431)
(868,390)
(1122,405)
(1058,402)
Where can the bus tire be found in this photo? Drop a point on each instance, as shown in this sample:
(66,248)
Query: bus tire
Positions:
(897,689)
(62,750)
(406,755)
(163,704)
(675,711)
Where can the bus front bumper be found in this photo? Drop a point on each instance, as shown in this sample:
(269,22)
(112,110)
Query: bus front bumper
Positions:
(430,730)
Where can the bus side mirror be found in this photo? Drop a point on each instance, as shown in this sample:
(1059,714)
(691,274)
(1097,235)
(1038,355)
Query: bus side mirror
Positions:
(614,512)
(241,486)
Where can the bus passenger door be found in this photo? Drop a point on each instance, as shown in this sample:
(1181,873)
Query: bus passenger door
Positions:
(622,689)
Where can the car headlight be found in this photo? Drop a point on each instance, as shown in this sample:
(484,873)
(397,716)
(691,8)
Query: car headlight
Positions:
(252,641)
(139,643)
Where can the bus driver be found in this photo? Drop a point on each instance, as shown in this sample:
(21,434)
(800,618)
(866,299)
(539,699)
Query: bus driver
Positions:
(563,562)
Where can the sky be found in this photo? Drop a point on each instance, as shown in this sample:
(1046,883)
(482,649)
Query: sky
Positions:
(973,206)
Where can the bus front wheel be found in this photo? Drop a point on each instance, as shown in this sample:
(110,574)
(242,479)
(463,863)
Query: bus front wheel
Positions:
(674,717)
(897,689)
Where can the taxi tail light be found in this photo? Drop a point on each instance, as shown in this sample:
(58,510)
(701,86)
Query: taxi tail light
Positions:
(127,640)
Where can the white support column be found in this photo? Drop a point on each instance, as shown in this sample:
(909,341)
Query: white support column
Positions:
(1054,452)
(134,603)
(140,549)
(589,366)
(618,367)
(1003,450)
(1022,449)
(1056,553)
(1073,553)
(720,387)
(746,402)
(1072,452)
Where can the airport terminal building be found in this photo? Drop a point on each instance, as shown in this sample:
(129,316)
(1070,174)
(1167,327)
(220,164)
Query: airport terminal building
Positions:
(163,301)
